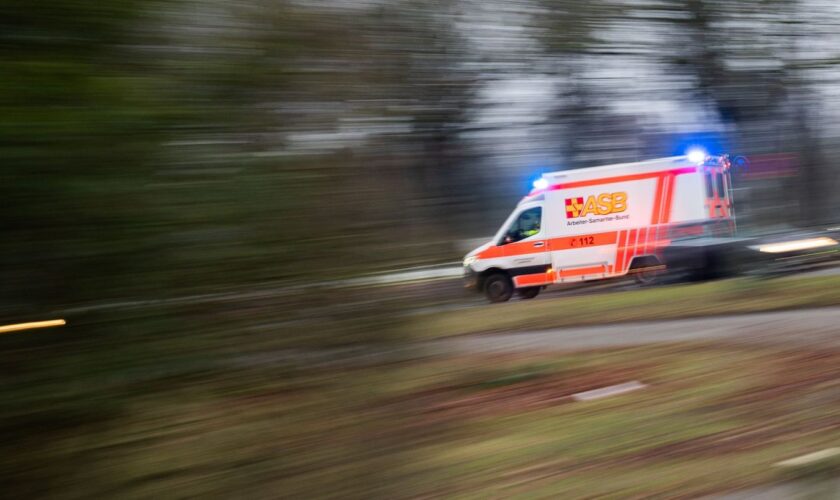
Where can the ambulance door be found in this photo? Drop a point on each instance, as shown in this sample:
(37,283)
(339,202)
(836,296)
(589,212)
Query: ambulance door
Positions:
(524,242)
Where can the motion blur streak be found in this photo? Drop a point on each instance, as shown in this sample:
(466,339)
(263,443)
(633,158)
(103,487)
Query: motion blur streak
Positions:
(247,211)
(31,326)
(794,246)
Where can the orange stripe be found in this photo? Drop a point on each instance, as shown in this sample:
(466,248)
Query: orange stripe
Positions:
(533,279)
(492,253)
(618,249)
(550,277)
(662,210)
(512,249)
(554,244)
(582,241)
(631,245)
(623,178)
(628,249)
(669,198)
(657,201)
(619,260)
(582,271)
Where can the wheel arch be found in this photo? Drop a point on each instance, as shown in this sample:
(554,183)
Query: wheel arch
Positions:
(482,276)
(645,261)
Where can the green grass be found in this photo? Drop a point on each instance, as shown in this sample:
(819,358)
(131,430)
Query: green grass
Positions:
(77,423)
(666,302)
(144,405)
(696,430)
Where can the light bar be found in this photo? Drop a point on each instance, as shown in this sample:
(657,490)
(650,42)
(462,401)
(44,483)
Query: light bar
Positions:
(797,245)
(697,155)
(540,184)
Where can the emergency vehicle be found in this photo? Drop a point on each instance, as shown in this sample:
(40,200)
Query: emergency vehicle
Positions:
(603,222)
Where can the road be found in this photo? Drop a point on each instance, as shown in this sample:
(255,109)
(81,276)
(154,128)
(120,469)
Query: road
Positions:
(819,327)
(803,326)
(419,276)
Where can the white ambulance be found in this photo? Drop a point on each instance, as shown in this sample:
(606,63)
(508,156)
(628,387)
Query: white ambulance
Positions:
(603,222)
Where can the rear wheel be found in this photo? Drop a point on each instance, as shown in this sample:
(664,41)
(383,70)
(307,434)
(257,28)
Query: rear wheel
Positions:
(646,270)
(498,288)
(646,277)
(530,292)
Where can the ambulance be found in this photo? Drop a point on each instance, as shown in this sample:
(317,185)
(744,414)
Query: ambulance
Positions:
(603,222)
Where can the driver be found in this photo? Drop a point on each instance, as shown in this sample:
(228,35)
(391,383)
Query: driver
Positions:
(531,227)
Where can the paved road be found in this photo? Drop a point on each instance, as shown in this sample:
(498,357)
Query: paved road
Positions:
(819,327)
(808,326)
(800,490)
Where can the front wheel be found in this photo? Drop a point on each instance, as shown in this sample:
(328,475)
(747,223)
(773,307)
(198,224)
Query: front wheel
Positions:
(498,288)
(530,292)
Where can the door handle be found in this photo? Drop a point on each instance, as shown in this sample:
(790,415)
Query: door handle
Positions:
(538,244)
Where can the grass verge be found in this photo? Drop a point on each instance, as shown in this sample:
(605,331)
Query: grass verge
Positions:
(735,296)
(713,418)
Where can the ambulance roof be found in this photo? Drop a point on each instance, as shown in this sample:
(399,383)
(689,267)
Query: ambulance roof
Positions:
(618,169)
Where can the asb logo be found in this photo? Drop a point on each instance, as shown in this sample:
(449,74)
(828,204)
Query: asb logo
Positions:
(603,204)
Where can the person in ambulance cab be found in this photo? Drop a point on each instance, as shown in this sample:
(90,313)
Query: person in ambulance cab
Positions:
(526,226)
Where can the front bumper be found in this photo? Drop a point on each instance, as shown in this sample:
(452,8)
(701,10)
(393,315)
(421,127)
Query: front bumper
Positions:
(470,279)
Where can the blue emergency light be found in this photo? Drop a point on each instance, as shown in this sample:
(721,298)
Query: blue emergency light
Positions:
(540,183)
(697,155)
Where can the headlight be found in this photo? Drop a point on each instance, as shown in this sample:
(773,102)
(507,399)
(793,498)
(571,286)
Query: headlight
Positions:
(795,246)
(470,260)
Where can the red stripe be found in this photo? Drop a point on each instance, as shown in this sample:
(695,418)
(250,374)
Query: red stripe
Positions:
(554,244)
(582,271)
(619,260)
(657,201)
(636,244)
(613,180)
(539,279)
(550,277)
(631,245)
(582,241)
(669,198)
(622,178)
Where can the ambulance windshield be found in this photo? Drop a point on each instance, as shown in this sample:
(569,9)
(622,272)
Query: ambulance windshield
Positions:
(526,225)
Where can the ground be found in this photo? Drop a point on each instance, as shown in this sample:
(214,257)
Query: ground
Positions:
(725,297)
(112,411)
(714,417)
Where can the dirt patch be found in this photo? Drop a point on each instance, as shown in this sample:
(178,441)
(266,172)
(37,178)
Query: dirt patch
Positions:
(792,381)
(788,375)
(736,440)
(531,392)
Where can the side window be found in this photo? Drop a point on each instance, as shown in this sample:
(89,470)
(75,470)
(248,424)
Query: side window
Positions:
(721,189)
(526,225)
(710,193)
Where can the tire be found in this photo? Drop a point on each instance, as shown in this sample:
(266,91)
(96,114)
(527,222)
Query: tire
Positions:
(645,270)
(530,292)
(646,278)
(498,288)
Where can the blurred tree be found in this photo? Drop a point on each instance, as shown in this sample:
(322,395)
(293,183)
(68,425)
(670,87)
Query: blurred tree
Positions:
(149,144)
(739,57)
(78,124)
